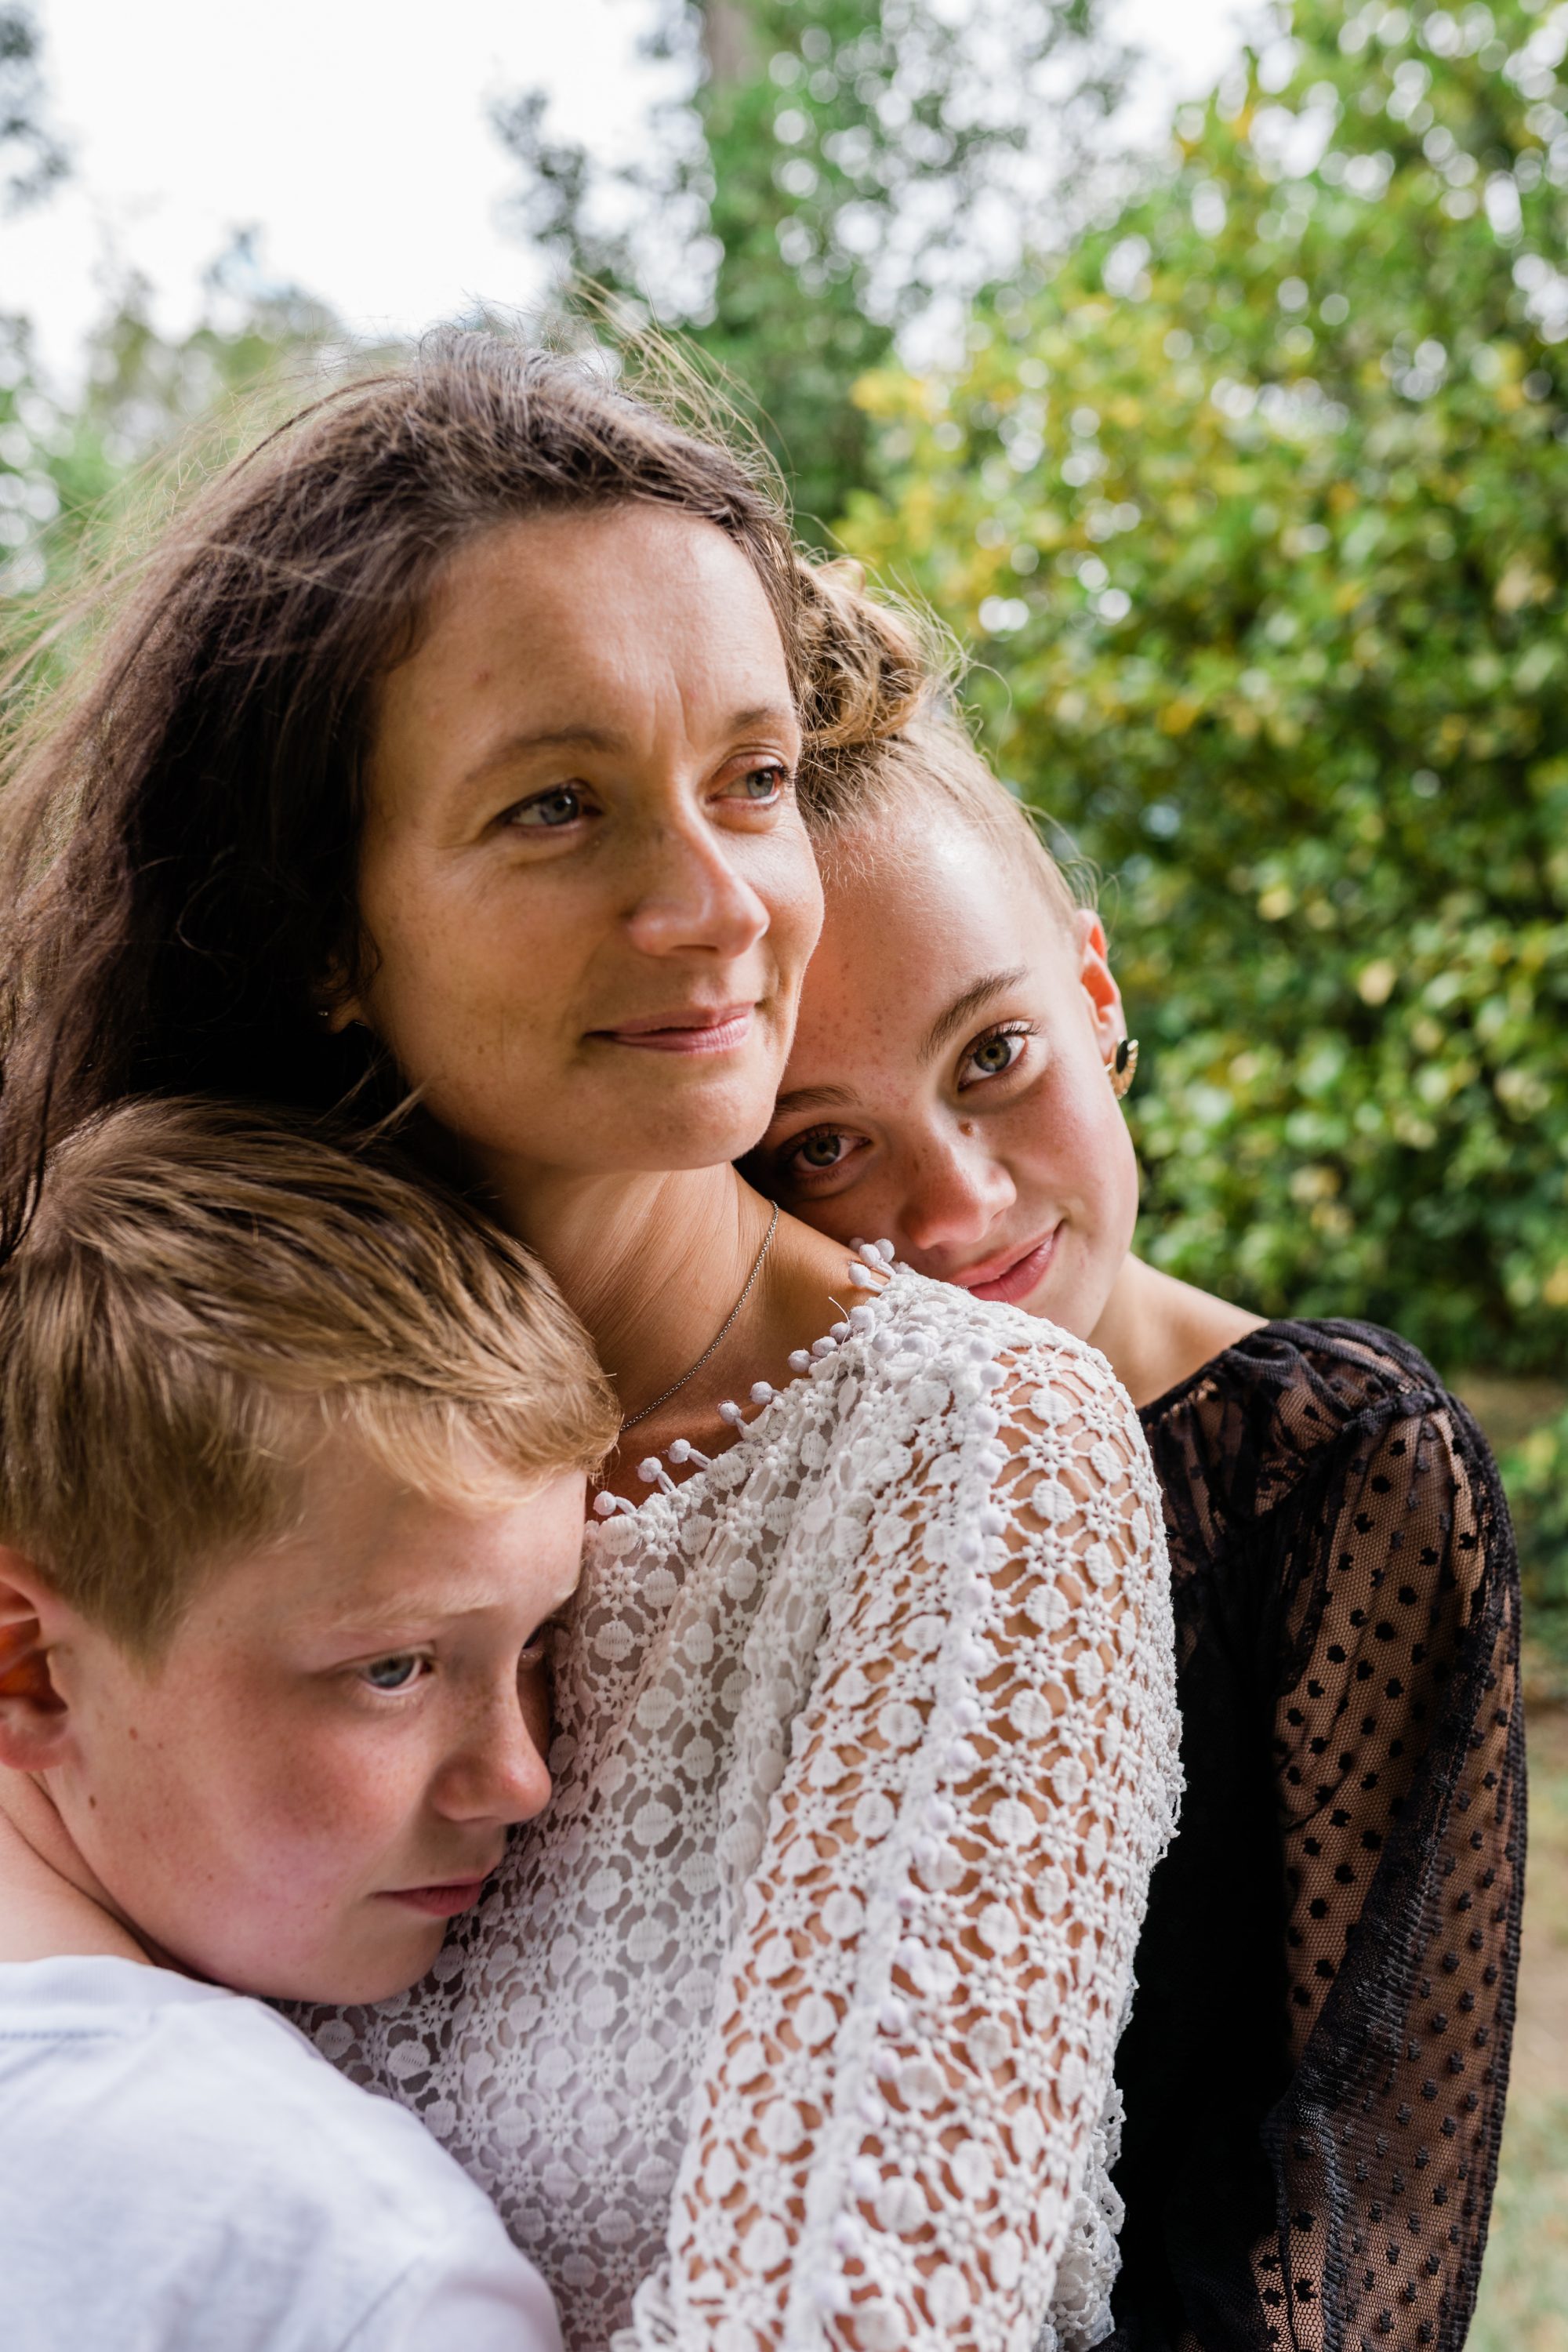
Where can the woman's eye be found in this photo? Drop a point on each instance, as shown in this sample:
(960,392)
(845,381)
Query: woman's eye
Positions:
(759,786)
(395,1672)
(547,812)
(993,1056)
(826,1149)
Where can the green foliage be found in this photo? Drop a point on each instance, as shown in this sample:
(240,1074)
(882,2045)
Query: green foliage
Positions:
(839,169)
(35,155)
(1523,2301)
(81,478)
(1536,1472)
(1258,505)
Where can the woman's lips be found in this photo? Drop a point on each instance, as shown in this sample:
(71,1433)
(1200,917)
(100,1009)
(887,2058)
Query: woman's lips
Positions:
(441,1902)
(716,1031)
(1016,1281)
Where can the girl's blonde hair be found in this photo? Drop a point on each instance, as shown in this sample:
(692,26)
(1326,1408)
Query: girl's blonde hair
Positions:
(883,729)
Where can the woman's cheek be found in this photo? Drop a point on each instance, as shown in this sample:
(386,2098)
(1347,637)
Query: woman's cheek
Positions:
(793,895)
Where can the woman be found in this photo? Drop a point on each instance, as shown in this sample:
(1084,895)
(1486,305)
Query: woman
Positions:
(1315,2070)
(449,746)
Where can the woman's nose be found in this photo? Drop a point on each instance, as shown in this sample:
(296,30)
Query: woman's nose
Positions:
(956,1190)
(498,1774)
(692,898)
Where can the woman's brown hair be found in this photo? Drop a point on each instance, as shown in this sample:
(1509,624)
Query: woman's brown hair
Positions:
(178,838)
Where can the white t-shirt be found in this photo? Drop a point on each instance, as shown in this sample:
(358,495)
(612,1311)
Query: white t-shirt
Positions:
(181,2172)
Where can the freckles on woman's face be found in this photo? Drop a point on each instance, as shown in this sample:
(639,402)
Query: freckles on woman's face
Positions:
(585,890)
(948,1088)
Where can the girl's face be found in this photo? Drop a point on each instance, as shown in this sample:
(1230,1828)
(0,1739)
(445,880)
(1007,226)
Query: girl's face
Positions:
(948,1087)
(586,895)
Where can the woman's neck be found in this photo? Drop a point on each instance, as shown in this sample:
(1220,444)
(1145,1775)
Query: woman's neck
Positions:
(654,1265)
(650,1263)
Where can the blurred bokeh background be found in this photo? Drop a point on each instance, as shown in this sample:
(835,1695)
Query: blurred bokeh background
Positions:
(1206,371)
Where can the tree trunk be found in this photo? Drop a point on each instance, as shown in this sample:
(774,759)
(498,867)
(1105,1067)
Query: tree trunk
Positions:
(727,43)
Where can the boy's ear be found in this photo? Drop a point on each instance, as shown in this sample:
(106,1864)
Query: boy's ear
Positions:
(32,1712)
(1098,981)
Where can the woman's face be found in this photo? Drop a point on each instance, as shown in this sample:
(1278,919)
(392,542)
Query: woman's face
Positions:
(948,1087)
(586,892)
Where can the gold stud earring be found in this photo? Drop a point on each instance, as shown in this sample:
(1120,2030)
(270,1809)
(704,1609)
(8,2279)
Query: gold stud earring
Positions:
(1122,1066)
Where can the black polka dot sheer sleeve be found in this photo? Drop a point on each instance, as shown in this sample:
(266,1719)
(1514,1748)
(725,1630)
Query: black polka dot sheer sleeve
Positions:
(1327,1974)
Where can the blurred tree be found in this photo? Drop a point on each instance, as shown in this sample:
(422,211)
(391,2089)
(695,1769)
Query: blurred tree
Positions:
(84,477)
(1259,506)
(34,155)
(841,170)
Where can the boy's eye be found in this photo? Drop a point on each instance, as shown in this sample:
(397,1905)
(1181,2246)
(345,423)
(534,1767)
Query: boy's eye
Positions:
(547,812)
(395,1672)
(992,1055)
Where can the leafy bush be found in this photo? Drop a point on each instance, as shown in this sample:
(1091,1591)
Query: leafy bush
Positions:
(1535,1473)
(1257,507)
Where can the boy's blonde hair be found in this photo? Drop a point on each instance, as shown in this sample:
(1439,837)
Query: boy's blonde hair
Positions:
(882,730)
(204,1293)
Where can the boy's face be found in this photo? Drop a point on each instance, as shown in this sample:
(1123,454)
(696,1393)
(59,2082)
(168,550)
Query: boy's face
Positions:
(320,1770)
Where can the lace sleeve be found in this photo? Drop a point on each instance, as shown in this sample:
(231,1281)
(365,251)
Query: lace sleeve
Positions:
(915,2037)
(1400,1755)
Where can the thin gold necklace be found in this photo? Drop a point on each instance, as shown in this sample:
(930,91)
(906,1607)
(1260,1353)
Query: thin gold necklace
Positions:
(718,1340)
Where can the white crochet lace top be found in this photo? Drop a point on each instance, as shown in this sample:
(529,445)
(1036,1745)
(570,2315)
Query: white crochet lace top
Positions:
(791,2022)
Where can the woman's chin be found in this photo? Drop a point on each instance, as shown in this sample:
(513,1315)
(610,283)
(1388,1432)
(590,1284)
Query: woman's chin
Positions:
(688,1127)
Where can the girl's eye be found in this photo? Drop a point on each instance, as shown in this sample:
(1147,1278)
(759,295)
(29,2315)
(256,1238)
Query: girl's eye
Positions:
(823,1151)
(547,812)
(992,1055)
(394,1674)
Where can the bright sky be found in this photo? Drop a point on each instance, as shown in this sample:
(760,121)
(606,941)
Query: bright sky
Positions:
(353,134)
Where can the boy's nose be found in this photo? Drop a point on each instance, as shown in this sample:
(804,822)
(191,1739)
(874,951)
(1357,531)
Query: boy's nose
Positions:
(499,1775)
(956,1192)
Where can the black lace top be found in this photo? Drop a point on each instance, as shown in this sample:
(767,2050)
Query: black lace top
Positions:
(1315,2068)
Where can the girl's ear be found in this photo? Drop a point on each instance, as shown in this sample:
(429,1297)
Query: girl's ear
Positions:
(33,1714)
(1099,981)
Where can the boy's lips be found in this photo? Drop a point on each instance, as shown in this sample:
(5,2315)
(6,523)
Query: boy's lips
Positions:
(694,1029)
(442,1902)
(1010,1278)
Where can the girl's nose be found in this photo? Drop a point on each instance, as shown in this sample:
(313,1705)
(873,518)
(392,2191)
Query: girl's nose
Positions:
(692,898)
(955,1193)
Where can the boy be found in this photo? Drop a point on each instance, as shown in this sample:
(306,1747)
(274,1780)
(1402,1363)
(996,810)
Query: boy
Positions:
(292,1459)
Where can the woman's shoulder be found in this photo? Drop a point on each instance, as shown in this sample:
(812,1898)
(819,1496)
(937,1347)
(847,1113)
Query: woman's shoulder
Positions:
(941,1316)
(949,1365)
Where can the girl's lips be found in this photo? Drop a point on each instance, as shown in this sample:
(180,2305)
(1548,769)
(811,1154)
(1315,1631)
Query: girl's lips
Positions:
(1016,1282)
(711,1033)
(441,1902)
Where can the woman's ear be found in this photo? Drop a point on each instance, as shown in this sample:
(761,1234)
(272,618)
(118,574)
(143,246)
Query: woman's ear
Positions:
(33,1714)
(1099,981)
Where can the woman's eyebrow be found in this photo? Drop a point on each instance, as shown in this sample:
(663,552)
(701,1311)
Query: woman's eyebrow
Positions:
(763,715)
(549,738)
(964,1008)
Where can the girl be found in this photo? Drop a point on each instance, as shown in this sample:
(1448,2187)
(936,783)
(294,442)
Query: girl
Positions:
(449,746)
(1315,2071)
